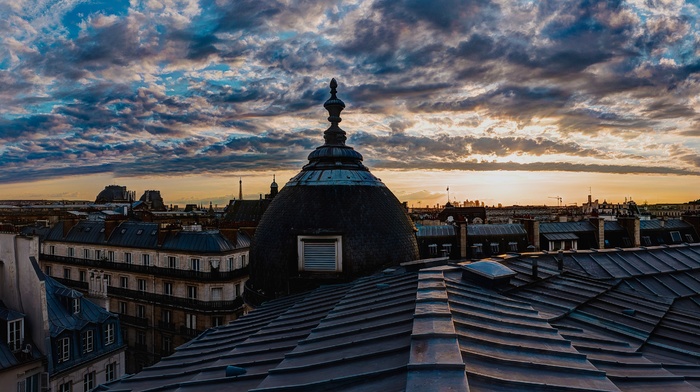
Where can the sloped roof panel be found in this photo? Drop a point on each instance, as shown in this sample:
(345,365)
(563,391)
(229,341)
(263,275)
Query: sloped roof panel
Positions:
(496,229)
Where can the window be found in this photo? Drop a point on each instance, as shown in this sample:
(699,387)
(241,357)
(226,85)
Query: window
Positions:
(167,288)
(319,253)
(76,305)
(110,371)
(689,238)
(192,292)
(194,264)
(676,236)
(238,290)
(98,254)
(146,259)
(166,316)
(142,284)
(89,381)
(494,248)
(71,252)
(124,282)
(243,260)
(65,387)
(446,249)
(432,249)
(127,257)
(140,338)
(52,250)
(123,307)
(108,279)
(167,344)
(139,231)
(477,249)
(66,273)
(82,276)
(172,262)
(15,334)
(109,334)
(513,246)
(217,293)
(140,311)
(646,240)
(87,337)
(231,265)
(110,255)
(217,320)
(29,384)
(47,270)
(86,253)
(191,321)
(63,350)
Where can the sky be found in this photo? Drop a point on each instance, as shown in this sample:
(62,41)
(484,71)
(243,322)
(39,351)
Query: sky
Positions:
(504,101)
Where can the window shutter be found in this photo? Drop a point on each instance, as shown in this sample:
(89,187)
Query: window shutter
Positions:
(319,256)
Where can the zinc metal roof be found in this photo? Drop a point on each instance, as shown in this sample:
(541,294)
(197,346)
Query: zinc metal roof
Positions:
(436,231)
(60,315)
(496,229)
(560,236)
(199,241)
(657,224)
(566,227)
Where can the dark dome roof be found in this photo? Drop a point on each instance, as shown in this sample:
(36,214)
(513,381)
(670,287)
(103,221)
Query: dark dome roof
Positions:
(334,195)
(113,194)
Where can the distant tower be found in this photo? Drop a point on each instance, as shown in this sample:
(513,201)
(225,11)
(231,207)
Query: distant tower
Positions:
(273,187)
(240,188)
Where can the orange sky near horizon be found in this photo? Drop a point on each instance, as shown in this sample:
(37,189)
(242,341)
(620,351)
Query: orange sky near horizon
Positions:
(418,188)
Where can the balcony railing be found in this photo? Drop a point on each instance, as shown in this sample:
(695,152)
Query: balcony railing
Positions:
(166,326)
(161,299)
(149,269)
(189,331)
(133,320)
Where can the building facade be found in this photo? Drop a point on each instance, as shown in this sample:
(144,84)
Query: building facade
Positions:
(167,284)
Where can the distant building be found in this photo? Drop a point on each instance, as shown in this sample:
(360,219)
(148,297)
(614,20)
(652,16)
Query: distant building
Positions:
(153,200)
(166,283)
(57,339)
(115,194)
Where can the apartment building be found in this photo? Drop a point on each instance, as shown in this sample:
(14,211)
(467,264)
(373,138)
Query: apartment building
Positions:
(167,284)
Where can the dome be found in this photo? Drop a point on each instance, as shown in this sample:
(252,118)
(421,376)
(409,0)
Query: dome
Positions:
(113,194)
(332,222)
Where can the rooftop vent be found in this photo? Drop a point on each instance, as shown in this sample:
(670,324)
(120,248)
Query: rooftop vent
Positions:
(489,274)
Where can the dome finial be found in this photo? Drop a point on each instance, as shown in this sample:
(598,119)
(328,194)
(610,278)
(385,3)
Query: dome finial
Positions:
(334,135)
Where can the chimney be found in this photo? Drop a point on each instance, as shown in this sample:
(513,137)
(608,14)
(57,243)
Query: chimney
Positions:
(230,234)
(463,240)
(68,224)
(532,227)
(631,225)
(599,224)
(111,223)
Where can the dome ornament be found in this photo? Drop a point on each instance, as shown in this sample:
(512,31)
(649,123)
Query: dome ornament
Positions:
(334,135)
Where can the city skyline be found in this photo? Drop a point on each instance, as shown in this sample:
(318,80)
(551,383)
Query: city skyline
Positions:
(504,102)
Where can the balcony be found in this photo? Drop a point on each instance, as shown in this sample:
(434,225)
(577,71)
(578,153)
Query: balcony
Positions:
(166,326)
(133,320)
(169,300)
(149,269)
(189,331)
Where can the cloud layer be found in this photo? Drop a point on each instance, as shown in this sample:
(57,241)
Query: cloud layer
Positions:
(175,86)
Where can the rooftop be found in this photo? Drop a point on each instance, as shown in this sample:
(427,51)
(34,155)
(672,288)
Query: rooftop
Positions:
(608,321)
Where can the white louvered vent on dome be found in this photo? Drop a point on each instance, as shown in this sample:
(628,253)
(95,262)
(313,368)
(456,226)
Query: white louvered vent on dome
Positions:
(320,253)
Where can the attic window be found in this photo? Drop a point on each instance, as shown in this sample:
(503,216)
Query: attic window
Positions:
(102,230)
(88,229)
(76,305)
(15,334)
(139,231)
(320,253)
(513,246)
(646,240)
(123,231)
(154,232)
(689,237)
(676,236)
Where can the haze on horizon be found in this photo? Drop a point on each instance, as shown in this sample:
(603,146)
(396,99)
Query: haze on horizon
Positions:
(509,102)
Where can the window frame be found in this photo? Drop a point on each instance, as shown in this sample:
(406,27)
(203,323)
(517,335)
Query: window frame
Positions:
(15,334)
(302,242)
(110,371)
(89,381)
(109,333)
(63,350)
(88,340)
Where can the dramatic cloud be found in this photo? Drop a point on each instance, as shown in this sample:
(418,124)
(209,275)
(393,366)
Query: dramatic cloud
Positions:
(178,86)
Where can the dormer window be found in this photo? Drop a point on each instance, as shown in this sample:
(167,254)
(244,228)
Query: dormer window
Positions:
(320,253)
(139,232)
(15,334)
(76,305)
(63,350)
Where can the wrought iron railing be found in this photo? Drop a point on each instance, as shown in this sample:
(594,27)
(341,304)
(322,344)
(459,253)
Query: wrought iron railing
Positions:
(149,269)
